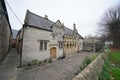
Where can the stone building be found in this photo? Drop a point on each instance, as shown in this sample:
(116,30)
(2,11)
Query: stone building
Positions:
(72,40)
(14,37)
(89,44)
(19,40)
(43,39)
(92,44)
(5,31)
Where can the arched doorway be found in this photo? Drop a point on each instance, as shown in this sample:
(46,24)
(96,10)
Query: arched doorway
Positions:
(53,52)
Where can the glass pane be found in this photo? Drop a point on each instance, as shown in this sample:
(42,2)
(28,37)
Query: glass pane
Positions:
(45,45)
(41,45)
(61,45)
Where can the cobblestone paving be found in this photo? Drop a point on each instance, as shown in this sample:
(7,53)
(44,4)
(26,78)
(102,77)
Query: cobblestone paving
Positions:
(57,70)
(8,69)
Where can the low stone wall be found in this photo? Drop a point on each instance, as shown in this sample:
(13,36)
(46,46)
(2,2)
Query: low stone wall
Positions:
(92,71)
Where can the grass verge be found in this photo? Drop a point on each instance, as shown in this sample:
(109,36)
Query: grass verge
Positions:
(115,70)
(111,68)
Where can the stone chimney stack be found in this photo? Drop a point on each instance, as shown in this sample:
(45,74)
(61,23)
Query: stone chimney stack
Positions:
(63,24)
(46,17)
(74,26)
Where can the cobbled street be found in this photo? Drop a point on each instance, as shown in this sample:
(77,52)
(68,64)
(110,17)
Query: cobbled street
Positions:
(8,68)
(63,69)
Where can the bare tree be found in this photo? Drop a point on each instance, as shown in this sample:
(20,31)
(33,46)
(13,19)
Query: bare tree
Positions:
(110,25)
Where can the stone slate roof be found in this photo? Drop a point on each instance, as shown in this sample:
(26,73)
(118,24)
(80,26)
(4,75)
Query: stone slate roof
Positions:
(80,37)
(68,31)
(42,23)
(14,33)
(38,21)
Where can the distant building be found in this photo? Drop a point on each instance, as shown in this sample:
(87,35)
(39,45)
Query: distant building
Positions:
(89,44)
(14,37)
(42,39)
(5,31)
(92,44)
(19,41)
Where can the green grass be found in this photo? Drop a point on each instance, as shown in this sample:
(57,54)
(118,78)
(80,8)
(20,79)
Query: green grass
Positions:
(105,74)
(115,59)
(110,71)
(115,72)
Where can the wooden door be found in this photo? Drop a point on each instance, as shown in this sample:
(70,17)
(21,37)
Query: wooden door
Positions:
(53,52)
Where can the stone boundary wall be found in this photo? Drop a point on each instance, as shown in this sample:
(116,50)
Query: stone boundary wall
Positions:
(92,71)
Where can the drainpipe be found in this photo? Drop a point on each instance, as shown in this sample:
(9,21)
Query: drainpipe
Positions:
(22,46)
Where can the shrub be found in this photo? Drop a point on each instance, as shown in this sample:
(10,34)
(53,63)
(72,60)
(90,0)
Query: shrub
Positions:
(34,62)
(94,56)
(45,60)
(29,64)
(86,62)
(107,50)
(39,62)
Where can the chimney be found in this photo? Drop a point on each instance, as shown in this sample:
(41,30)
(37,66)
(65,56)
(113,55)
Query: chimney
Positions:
(74,26)
(62,24)
(46,17)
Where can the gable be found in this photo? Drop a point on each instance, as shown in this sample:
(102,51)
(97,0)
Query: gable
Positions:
(58,23)
(32,19)
(57,27)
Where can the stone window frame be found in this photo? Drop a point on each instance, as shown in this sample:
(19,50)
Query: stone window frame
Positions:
(43,45)
(60,44)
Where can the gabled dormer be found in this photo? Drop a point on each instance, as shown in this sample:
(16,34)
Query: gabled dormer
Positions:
(58,28)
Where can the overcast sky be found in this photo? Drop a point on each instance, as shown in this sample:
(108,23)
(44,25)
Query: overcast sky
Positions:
(85,13)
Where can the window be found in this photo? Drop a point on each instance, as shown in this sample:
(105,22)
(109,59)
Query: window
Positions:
(75,45)
(43,45)
(60,45)
(67,46)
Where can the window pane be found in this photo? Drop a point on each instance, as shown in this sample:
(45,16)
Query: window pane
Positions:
(45,45)
(61,45)
(41,45)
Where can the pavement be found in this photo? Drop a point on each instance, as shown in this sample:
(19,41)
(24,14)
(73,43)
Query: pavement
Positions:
(8,67)
(58,70)
(63,69)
